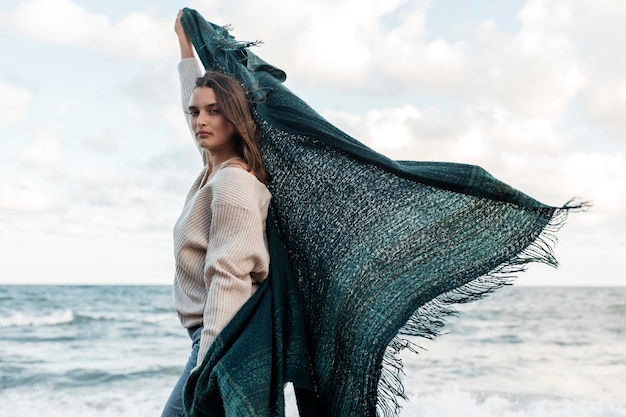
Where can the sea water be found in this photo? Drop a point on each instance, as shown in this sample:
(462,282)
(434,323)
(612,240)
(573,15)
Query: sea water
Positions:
(117,351)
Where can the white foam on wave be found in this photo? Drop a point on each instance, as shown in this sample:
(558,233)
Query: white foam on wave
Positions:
(159,318)
(462,403)
(136,316)
(142,403)
(148,400)
(100,316)
(454,402)
(19,319)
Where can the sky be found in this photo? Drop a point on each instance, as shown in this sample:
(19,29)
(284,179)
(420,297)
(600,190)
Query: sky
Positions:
(96,159)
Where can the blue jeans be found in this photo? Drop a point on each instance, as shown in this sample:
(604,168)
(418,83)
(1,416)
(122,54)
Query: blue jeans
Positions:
(174,405)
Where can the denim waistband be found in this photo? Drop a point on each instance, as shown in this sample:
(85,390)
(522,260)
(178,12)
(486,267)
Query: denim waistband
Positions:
(194,332)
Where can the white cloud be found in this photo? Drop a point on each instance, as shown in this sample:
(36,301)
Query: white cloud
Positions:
(606,103)
(324,40)
(139,36)
(535,72)
(110,187)
(56,21)
(44,154)
(103,143)
(115,210)
(23,196)
(14,103)
(406,55)
(97,179)
(517,104)
(332,41)
(600,178)
(175,118)
(136,36)
(530,154)
(351,44)
(154,83)
(117,219)
(386,130)
(585,37)
(122,196)
(477,133)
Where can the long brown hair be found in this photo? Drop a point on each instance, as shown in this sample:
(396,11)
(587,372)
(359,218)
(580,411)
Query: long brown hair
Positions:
(235,107)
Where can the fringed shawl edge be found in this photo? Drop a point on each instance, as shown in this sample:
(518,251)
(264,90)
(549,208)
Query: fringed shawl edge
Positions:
(428,320)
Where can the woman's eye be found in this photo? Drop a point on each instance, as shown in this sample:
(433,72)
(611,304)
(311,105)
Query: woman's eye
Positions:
(194,113)
(214,111)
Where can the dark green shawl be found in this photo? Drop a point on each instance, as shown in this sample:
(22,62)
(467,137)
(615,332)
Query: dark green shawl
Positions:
(363,250)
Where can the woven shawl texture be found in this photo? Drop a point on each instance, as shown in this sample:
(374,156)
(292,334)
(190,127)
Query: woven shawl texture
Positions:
(363,251)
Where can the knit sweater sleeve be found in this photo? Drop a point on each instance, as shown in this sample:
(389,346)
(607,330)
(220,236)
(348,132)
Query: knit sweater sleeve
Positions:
(237,256)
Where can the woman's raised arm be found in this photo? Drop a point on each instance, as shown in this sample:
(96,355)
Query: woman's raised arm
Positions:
(188,70)
(186,49)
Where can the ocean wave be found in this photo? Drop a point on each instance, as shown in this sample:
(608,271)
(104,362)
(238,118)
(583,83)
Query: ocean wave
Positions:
(34,377)
(97,316)
(23,320)
(125,317)
(158,318)
(149,397)
(455,402)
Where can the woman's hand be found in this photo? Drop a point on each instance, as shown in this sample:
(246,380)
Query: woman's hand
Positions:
(186,49)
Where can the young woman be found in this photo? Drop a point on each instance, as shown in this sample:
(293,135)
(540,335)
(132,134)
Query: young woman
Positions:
(220,243)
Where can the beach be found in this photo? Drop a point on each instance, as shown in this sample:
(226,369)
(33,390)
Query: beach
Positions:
(117,350)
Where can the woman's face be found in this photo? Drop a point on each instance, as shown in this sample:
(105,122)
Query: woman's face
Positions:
(213,132)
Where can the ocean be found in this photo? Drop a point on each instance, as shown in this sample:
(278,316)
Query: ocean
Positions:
(117,351)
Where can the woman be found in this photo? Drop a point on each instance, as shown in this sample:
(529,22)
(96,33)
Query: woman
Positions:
(220,243)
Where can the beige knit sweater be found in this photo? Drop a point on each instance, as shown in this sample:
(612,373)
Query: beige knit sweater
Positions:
(220,245)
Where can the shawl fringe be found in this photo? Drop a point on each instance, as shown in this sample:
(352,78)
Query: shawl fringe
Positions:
(428,320)
(222,38)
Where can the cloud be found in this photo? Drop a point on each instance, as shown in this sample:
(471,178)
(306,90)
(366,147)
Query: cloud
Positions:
(121,209)
(517,103)
(391,131)
(535,72)
(153,83)
(530,154)
(24,196)
(331,41)
(136,36)
(14,103)
(350,44)
(175,118)
(103,203)
(585,36)
(324,40)
(600,178)
(405,54)
(92,178)
(115,219)
(109,186)
(606,104)
(101,222)
(476,132)
(104,143)
(43,155)
(126,196)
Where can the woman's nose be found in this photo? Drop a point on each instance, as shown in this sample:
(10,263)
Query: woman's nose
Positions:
(202,119)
